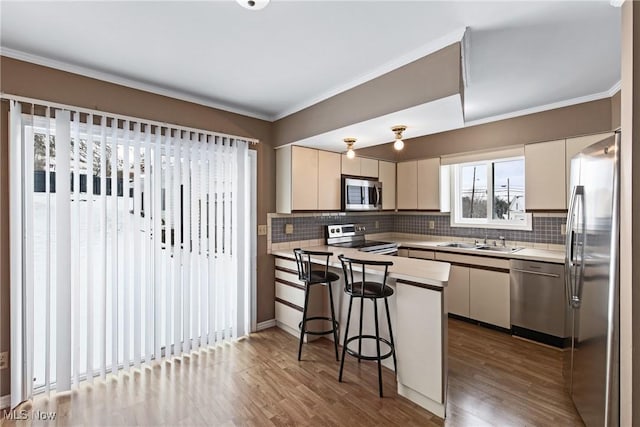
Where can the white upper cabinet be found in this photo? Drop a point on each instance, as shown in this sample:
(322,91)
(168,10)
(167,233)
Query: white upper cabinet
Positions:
(369,168)
(407,185)
(573,147)
(419,184)
(304,189)
(307,179)
(328,181)
(359,166)
(387,175)
(545,187)
(429,184)
(351,166)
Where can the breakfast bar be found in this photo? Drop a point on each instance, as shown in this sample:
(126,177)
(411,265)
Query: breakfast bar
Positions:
(417,314)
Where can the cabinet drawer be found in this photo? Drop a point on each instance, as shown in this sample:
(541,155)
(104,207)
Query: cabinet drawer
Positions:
(290,294)
(480,261)
(288,316)
(421,254)
(286,263)
(288,277)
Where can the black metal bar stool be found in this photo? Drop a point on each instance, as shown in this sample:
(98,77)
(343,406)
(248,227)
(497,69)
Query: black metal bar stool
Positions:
(312,277)
(373,291)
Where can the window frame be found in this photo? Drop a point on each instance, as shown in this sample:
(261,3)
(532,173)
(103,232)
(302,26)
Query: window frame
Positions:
(456,219)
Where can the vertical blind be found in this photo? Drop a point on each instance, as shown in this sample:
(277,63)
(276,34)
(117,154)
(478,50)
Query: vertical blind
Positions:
(129,242)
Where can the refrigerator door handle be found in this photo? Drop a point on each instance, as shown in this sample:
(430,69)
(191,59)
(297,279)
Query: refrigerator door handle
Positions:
(573,283)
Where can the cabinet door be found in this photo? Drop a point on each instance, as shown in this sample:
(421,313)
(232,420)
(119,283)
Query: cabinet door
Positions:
(387,175)
(304,172)
(328,180)
(457,291)
(369,168)
(407,185)
(351,166)
(489,297)
(545,176)
(429,184)
(573,147)
(421,254)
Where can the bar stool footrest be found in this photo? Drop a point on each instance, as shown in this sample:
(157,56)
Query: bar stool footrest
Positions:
(370,337)
(328,319)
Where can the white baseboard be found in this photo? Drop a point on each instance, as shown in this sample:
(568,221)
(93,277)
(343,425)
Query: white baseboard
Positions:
(266,325)
(5,401)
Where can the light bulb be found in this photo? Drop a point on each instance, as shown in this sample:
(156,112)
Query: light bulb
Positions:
(253,4)
(350,153)
(398,145)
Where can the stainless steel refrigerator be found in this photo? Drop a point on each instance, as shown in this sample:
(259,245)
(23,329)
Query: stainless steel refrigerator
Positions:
(591,268)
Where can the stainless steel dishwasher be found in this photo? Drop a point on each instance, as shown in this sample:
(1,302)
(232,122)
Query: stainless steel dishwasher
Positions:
(538,304)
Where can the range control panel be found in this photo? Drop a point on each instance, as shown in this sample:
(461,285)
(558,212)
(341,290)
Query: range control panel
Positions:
(345,230)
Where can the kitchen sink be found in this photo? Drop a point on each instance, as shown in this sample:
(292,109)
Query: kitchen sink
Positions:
(480,247)
(463,245)
(507,249)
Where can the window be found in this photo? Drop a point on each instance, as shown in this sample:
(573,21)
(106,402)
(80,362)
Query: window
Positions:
(490,194)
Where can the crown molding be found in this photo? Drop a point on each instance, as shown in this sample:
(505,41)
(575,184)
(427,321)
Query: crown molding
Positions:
(560,104)
(615,88)
(124,81)
(422,51)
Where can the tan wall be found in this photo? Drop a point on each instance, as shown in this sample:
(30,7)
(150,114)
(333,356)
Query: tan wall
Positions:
(616,100)
(576,120)
(25,79)
(433,77)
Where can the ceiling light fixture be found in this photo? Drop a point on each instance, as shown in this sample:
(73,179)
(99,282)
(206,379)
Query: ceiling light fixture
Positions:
(253,4)
(399,144)
(350,153)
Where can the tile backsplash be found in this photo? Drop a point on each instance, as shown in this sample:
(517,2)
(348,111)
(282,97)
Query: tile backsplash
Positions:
(546,229)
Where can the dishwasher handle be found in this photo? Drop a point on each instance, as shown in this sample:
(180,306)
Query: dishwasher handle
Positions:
(536,273)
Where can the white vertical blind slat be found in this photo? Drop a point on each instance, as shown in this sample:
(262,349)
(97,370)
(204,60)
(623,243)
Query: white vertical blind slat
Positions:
(211,242)
(47,190)
(28,242)
(102,338)
(90,283)
(148,235)
(115,276)
(195,238)
(187,266)
(126,242)
(180,243)
(156,170)
(168,258)
(76,266)
(63,252)
(204,251)
(137,249)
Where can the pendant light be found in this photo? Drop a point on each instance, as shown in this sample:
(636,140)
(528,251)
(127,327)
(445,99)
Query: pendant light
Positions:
(398,129)
(350,153)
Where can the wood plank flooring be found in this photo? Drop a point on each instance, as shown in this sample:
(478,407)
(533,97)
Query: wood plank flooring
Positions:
(494,379)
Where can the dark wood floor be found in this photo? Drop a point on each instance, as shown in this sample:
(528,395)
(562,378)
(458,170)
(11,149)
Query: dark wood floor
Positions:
(493,380)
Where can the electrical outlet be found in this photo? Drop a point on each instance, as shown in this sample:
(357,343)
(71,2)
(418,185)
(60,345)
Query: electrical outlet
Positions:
(432,225)
(563,229)
(4,360)
(262,230)
(288,229)
(377,224)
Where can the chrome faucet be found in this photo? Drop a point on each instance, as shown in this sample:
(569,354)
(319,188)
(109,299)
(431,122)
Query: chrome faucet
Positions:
(486,236)
(504,243)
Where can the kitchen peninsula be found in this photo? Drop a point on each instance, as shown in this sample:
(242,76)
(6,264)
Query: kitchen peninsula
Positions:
(417,314)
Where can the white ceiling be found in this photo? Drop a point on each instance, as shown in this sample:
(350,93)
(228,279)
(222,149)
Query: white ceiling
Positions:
(270,63)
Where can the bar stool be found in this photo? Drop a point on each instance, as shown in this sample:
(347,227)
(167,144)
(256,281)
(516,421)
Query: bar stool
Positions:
(373,291)
(312,277)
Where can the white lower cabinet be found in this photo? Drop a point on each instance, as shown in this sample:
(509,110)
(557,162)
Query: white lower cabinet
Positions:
(489,295)
(457,291)
(482,293)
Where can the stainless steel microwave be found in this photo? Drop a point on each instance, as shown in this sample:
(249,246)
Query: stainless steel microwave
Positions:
(361,194)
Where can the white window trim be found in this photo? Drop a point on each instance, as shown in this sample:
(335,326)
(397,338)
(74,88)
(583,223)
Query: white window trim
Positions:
(457,221)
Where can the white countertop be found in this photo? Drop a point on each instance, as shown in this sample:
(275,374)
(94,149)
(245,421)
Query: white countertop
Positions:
(433,273)
(531,254)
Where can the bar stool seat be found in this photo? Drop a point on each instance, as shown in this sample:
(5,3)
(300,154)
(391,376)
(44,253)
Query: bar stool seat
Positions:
(312,277)
(372,290)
